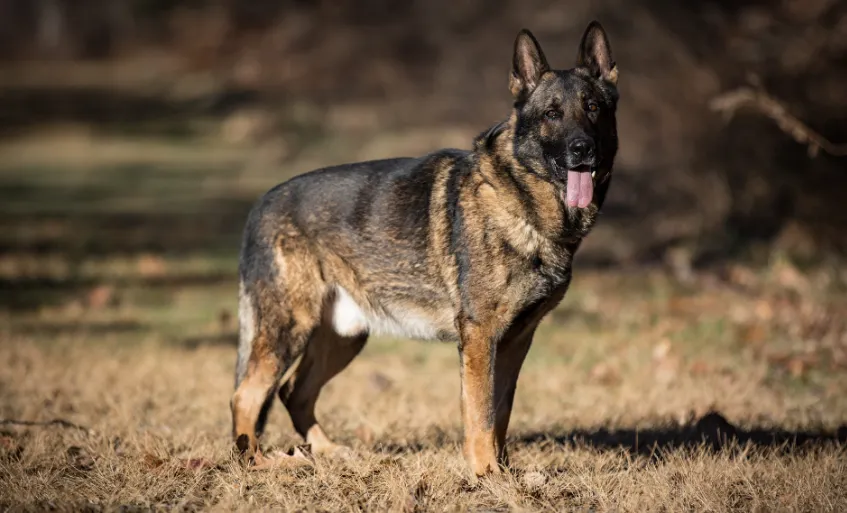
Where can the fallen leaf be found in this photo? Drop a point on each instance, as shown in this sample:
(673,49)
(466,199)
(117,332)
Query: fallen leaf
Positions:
(410,505)
(151,266)
(9,449)
(742,275)
(533,480)
(679,259)
(679,305)
(100,296)
(6,442)
(225,320)
(763,310)
(839,359)
(753,334)
(197,464)
(796,367)
(699,368)
(666,370)
(118,447)
(795,364)
(380,382)
(662,349)
(152,462)
(79,458)
(788,276)
(416,499)
(605,374)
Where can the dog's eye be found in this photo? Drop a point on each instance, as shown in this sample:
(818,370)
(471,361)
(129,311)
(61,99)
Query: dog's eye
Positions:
(552,114)
(593,107)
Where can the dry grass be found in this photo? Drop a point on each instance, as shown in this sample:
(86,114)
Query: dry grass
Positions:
(613,407)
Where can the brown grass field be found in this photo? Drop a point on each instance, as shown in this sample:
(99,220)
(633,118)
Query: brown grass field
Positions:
(641,392)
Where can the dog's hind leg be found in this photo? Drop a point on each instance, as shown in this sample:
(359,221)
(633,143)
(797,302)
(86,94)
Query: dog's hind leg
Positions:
(272,351)
(327,354)
(277,317)
(252,397)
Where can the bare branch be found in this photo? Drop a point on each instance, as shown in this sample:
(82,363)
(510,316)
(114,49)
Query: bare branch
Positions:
(728,103)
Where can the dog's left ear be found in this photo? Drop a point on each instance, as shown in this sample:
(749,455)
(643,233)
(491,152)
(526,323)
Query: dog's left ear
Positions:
(596,54)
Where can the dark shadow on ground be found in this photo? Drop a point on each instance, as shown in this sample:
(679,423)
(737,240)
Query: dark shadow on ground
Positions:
(216,228)
(22,294)
(711,431)
(112,110)
(221,339)
(436,438)
(82,328)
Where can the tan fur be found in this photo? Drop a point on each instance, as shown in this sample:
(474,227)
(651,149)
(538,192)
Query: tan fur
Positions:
(474,247)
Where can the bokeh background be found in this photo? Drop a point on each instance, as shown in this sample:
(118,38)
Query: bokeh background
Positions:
(708,304)
(151,125)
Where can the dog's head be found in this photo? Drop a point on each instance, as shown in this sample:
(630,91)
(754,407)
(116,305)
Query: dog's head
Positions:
(565,119)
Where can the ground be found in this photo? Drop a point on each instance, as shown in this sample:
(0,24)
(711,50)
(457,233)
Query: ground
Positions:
(717,390)
(639,394)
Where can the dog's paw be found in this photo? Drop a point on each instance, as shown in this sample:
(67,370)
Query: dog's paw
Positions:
(336,452)
(280,459)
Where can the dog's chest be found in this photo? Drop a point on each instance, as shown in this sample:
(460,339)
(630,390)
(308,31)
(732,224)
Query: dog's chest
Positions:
(578,222)
(539,280)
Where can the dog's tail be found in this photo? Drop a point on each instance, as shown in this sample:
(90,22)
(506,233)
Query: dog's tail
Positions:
(247,328)
(252,260)
(246,331)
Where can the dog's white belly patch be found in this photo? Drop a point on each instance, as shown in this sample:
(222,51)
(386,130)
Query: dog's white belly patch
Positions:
(349,320)
(404,323)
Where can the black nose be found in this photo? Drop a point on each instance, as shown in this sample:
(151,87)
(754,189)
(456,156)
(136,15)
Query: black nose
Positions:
(581,149)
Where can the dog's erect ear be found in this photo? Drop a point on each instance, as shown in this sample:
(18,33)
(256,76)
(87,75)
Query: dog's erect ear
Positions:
(596,54)
(528,64)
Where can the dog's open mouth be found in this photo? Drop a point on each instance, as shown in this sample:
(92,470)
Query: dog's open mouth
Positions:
(580,188)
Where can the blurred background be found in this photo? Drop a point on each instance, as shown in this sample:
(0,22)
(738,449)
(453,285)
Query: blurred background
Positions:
(708,303)
(135,134)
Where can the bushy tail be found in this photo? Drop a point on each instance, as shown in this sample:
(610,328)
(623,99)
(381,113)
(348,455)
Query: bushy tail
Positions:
(246,332)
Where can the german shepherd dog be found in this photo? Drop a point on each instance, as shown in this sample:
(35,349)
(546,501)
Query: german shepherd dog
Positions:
(472,246)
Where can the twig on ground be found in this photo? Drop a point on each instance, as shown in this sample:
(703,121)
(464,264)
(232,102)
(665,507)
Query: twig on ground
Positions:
(48,423)
(759,99)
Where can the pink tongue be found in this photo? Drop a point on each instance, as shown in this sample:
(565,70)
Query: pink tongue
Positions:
(580,188)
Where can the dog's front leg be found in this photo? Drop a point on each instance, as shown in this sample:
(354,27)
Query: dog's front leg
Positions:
(477,354)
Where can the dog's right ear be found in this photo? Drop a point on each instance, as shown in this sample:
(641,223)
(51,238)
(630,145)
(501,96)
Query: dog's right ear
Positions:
(528,64)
